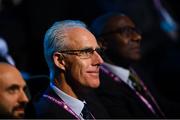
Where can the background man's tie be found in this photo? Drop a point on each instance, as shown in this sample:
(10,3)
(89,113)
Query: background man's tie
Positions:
(136,83)
(142,89)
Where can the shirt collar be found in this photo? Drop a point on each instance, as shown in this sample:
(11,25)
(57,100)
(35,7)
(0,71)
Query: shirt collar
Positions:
(118,71)
(75,104)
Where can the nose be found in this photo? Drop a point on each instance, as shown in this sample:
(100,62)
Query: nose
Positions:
(136,36)
(23,97)
(97,58)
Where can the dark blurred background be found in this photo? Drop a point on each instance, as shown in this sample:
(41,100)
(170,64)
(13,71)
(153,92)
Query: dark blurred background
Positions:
(23,24)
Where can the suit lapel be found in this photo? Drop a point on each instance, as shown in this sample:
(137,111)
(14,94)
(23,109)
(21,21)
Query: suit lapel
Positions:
(129,92)
(51,96)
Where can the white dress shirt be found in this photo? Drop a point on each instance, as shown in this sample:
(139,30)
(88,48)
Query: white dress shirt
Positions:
(75,104)
(120,72)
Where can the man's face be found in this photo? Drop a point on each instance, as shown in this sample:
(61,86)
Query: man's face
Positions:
(83,68)
(12,94)
(122,37)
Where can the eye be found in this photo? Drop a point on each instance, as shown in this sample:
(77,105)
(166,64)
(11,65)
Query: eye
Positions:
(13,89)
(87,51)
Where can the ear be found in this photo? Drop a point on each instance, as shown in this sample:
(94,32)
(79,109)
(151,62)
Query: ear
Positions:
(59,60)
(102,43)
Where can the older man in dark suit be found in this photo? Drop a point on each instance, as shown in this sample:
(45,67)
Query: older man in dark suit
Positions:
(72,55)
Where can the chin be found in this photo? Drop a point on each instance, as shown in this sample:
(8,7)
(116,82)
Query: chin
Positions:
(19,116)
(136,58)
(95,84)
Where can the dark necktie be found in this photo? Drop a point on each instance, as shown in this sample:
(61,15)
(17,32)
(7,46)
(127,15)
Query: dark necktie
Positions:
(137,84)
(142,89)
(86,113)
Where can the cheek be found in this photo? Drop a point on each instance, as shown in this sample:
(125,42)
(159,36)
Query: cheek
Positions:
(120,50)
(117,44)
(78,70)
(7,102)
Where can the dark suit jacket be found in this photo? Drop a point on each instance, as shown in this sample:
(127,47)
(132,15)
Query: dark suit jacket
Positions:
(45,108)
(120,100)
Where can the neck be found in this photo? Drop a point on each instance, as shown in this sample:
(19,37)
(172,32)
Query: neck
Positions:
(61,83)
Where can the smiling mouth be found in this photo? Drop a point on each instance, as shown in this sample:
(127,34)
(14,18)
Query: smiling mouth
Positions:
(93,73)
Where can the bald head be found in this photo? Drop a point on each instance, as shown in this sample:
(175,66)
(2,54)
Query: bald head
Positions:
(12,92)
(6,68)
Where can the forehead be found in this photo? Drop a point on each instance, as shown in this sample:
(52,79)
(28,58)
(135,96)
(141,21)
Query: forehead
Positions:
(10,77)
(118,21)
(81,38)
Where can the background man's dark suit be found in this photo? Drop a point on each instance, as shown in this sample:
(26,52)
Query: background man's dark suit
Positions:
(120,100)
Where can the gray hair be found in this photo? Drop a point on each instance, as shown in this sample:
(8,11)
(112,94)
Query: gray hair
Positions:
(55,38)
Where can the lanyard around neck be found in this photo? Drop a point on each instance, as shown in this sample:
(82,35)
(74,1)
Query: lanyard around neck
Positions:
(63,105)
(117,79)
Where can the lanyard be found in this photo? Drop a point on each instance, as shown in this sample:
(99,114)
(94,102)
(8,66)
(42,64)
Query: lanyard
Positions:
(148,92)
(63,105)
(117,79)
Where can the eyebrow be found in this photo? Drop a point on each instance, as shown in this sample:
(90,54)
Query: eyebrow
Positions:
(16,86)
(13,86)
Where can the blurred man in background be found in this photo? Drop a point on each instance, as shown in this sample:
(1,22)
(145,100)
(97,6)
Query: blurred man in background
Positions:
(123,93)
